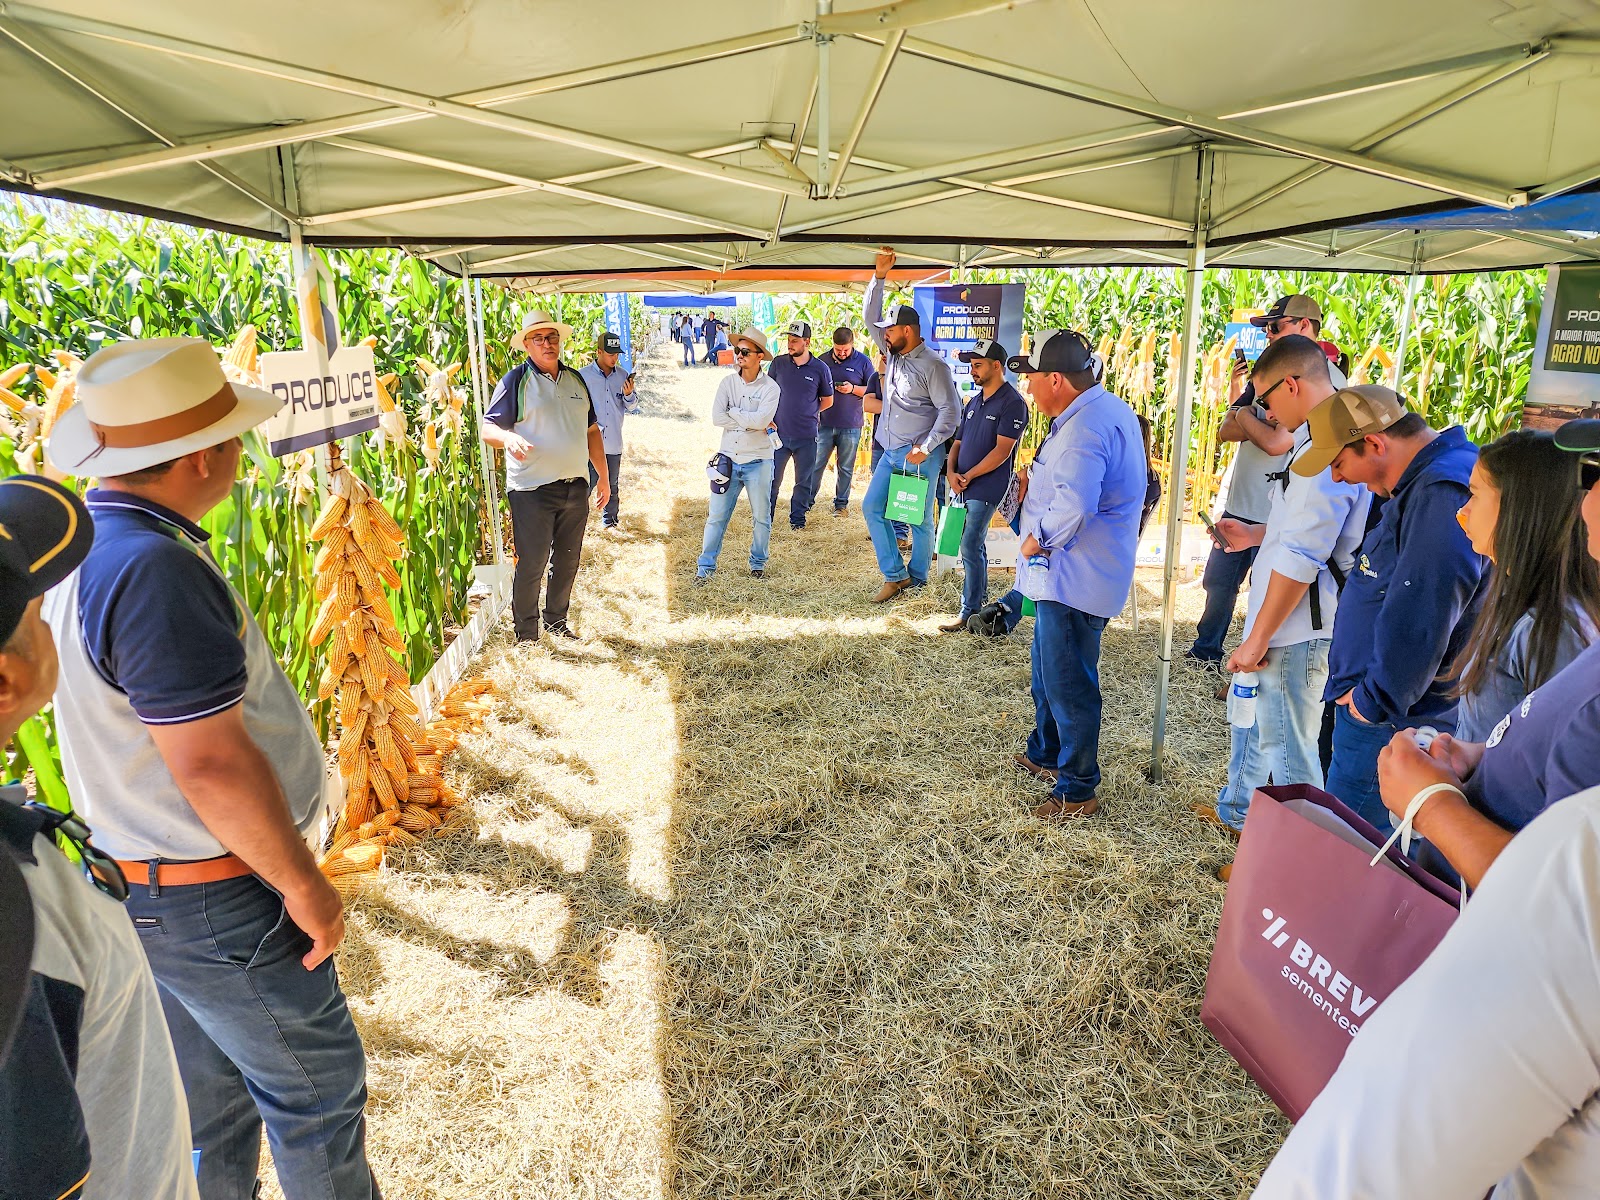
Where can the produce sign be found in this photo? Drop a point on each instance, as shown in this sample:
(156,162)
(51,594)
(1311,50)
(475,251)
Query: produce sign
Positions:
(958,316)
(1564,382)
(320,405)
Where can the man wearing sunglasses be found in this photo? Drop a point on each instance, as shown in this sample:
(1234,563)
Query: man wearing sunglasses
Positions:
(1264,447)
(90,1096)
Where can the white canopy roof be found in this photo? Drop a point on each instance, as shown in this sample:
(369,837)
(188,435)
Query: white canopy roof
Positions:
(571,141)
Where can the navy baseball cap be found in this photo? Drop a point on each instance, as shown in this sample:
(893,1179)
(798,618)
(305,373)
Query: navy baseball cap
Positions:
(985,349)
(799,329)
(1581,436)
(611,343)
(1064,351)
(903,315)
(45,532)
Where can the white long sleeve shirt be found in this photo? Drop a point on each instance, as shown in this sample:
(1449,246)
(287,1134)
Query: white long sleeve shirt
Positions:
(1483,1069)
(743,411)
(1312,521)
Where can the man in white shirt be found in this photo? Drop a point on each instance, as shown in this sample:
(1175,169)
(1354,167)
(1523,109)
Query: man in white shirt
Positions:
(1307,546)
(1483,1069)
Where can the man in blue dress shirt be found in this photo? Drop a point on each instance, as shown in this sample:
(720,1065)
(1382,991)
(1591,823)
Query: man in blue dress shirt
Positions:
(1081,512)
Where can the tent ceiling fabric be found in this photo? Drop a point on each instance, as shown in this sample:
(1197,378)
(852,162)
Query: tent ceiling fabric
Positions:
(558,143)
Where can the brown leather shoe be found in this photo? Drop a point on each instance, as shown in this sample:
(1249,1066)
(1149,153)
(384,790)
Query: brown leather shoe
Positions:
(1225,872)
(1061,810)
(956,626)
(890,589)
(1024,763)
(904,544)
(1208,814)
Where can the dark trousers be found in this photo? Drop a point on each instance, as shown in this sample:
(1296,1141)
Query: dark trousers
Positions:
(1224,575)
(613,469)
(547,525)
(803,454)
(1353,774)
(257,1036)
(1066,697)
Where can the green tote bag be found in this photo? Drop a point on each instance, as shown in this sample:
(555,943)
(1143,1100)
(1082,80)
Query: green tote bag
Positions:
(952,524)
(908,498)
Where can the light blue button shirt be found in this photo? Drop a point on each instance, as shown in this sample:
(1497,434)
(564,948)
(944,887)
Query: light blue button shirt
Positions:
(610,404)
(1085,490)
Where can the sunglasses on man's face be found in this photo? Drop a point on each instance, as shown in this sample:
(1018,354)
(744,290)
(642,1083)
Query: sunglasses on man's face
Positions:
(98,867)
(1278,327)
(742,352)
(543,339)
(1588,472)
(1264,398)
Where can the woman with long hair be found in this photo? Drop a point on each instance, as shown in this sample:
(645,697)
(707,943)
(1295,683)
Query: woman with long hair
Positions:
(1542,604)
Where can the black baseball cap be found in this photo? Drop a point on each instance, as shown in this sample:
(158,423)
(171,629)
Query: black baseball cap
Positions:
(611,343)
(1581,436)
(988,348)
(799,329)
(903,315)
(1065,351)
(45,532)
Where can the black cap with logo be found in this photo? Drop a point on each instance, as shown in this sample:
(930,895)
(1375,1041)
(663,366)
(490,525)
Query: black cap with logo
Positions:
(45,532)
(987,348)
(611,343)
(1065,351)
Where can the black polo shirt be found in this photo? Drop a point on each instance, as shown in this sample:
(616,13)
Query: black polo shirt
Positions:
(983,423)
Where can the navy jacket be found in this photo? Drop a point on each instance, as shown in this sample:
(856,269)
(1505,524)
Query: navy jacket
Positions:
(1413,596)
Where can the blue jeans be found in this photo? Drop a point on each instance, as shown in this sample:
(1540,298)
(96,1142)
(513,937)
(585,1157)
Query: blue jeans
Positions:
(1224,575)
(901,529)
(755,480)
(1066,697)
(257,1037)
(974,558)
(1282,745)
(844,443)
(893,566)
(804,454)
(1353,777)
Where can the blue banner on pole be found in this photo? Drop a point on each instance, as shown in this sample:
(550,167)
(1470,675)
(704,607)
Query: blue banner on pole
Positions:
(955,317)
(763,312)
(617,322)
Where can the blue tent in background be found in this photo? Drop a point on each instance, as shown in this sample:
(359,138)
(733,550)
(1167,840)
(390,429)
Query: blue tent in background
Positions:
(1575,212)
(680,301)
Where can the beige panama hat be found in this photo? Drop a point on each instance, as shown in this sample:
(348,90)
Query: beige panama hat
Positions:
(755,337)
(148,401)
(538,319)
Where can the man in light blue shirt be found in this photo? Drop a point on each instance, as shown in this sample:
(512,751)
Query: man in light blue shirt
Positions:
(611,393)
(1080,512)
(921,410)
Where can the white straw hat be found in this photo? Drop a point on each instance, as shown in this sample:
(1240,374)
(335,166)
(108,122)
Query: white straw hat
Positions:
(148,401)
(538,319)
(756,338)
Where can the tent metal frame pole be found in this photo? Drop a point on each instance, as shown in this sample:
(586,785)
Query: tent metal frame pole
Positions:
(517,184)
(307,293)
(794,157)
(1476,190)
(1001,159)
(880,76)
(824,88)
(472,299)
(1396,127)
(1406,314)
(1178,478)
(347,85)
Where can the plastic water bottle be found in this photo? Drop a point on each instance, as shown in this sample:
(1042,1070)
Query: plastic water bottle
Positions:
(1035,575)
(1242,699)
(1424,735)
(772,436)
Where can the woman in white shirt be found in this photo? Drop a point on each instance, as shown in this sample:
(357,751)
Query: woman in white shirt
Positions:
(745,404)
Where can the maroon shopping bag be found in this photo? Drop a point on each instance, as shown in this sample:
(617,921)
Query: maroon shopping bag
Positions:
(1313,939)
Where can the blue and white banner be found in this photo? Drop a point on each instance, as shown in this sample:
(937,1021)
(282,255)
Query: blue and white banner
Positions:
(956,317)
(617,322)
(1252,339)
(763,312)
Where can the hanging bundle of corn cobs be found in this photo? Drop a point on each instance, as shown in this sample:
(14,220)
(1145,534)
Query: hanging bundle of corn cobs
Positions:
(60,388)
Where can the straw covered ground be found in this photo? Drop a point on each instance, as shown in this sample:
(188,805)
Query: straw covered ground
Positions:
(749,902)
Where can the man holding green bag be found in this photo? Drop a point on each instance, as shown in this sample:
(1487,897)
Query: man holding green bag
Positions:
(921,409)
(1080,535)
(980,469)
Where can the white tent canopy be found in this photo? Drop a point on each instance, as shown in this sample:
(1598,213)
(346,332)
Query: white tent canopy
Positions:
(575,146)
(569,141)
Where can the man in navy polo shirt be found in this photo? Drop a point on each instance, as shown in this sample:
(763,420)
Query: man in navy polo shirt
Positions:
(980,465)
(190,753)
(805,390)
(1408,608)
(839,431)
(612,394)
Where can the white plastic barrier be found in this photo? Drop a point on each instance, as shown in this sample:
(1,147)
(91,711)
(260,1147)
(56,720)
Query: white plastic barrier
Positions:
(452,664)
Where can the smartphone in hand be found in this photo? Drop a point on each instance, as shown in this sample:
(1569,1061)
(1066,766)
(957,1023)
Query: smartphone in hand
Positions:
(1211,531)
